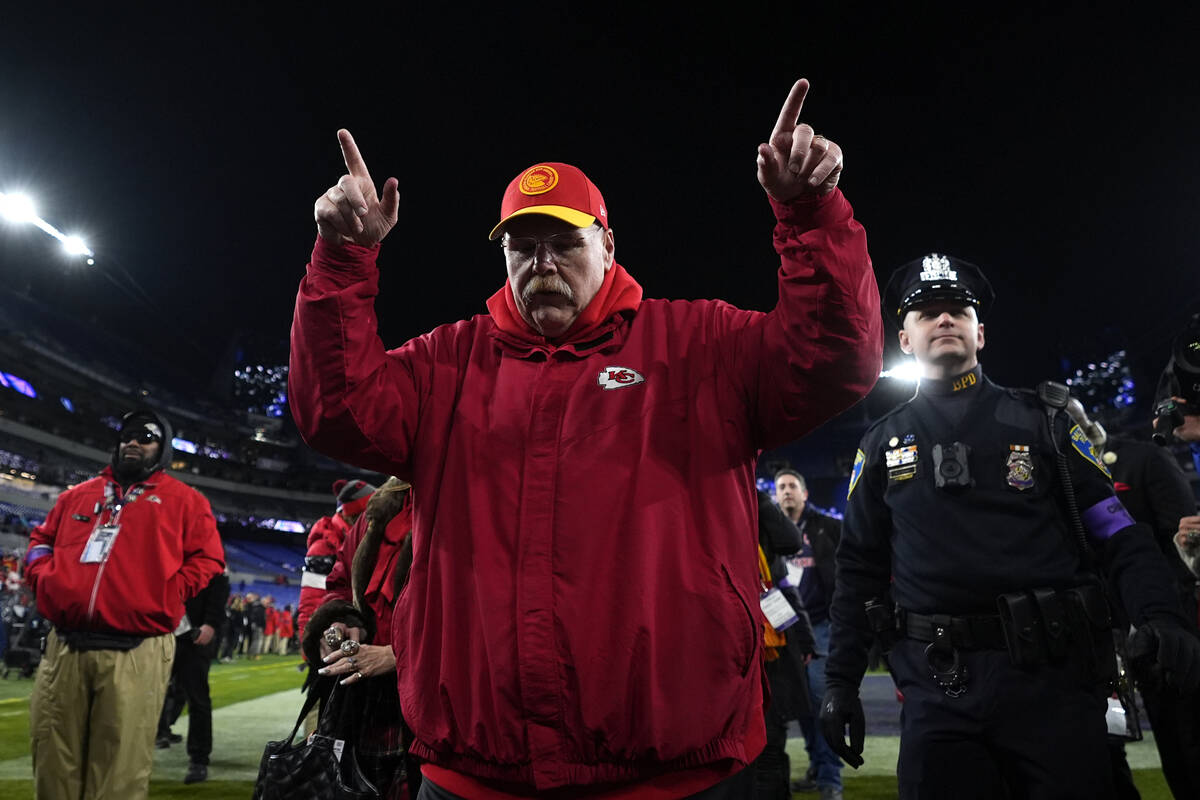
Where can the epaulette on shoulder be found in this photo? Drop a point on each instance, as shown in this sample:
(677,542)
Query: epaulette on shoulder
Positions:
(1029,396)
(895,410)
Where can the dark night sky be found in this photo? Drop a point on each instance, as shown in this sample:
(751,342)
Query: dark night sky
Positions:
(1057,152)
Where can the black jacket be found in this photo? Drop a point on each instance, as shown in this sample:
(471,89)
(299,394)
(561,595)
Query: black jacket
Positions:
(824,533)
(1155,490)
(787,677)
(208,607)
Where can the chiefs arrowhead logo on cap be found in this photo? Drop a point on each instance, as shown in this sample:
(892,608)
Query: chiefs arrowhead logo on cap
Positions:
(538,180)
(556,190)
(618,377)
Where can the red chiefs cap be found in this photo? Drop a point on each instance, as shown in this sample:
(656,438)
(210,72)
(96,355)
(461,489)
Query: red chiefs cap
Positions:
(557,190)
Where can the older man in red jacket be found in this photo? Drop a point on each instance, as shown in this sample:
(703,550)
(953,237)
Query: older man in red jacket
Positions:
(582,610)
(111,567)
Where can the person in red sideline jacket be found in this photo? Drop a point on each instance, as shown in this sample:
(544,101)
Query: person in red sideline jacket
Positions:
(325,539)
(285,627)
(111,568)
(372,567)
(582,614)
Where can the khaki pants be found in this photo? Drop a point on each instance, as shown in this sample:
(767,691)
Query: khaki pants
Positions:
(93,716)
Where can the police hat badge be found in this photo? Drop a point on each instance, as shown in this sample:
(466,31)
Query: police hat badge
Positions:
(937,277)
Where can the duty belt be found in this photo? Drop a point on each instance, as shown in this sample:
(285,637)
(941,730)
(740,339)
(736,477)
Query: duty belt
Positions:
(983,632)
(948,635)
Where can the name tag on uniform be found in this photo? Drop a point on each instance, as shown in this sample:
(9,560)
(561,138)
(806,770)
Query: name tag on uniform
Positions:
(901,462)
(98,544)
(777,609)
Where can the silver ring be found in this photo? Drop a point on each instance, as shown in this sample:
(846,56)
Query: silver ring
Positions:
(350,647)
(333,637)
(353,661)
(358,675)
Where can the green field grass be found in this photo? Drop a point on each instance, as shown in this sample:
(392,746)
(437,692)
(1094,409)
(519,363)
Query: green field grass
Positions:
(258,701)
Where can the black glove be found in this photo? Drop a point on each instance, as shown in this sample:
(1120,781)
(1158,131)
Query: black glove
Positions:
(839,708)
(1178,655)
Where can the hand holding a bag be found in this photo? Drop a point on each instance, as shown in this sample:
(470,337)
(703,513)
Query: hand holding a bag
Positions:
(356,660)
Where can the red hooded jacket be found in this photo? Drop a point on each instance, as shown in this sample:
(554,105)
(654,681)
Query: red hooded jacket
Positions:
(583,601)
(166,551)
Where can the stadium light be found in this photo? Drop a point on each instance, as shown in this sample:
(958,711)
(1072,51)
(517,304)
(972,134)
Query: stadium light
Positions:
(19,208)
(75,246)
(904,371)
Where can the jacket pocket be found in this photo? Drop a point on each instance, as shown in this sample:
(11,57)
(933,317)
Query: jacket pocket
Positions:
(749,639)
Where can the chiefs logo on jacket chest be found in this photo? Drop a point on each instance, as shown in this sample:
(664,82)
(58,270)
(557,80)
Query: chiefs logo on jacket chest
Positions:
(619,377)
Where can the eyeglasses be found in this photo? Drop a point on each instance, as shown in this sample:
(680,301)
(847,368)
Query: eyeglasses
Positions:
(141,437)
(559,244)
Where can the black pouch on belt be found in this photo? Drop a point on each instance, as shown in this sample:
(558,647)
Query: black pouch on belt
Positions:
(1056,628)
(1022,629)
(1092,623)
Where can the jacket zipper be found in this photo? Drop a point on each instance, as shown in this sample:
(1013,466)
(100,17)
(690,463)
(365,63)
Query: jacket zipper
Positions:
(100,572)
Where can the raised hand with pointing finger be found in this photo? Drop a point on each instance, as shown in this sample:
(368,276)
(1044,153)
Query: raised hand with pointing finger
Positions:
(797,160)
(350,211)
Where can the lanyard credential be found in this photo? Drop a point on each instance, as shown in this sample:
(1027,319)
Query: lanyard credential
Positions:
(100,543)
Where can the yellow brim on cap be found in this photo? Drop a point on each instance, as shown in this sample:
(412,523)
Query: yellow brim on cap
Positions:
(568,215)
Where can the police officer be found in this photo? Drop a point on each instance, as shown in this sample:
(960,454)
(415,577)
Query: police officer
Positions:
(959,500)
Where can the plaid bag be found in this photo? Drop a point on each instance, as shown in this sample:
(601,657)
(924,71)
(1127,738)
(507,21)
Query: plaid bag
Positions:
(325,767)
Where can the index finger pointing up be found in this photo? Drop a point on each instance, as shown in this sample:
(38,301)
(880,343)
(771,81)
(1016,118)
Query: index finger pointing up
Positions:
(790,113)
(354,160)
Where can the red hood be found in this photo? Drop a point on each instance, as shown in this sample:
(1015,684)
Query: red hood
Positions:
(619,292)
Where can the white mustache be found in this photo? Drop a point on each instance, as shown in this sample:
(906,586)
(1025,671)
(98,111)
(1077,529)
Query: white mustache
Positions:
(547,283)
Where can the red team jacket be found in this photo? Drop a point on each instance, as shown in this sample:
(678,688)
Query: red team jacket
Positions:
(324,539)
(167,550)
(583,601)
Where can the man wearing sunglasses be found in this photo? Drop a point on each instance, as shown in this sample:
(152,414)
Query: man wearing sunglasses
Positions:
(592,453)
(111,568)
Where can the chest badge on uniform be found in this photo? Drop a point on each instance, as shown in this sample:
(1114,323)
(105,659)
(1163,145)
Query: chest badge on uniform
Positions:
(619,377)
(901,462)
(1020,467)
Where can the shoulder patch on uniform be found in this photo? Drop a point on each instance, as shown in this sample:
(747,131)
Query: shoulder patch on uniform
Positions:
(856,472)
(1084,447)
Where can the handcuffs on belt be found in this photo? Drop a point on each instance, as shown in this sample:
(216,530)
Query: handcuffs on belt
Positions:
(947,668)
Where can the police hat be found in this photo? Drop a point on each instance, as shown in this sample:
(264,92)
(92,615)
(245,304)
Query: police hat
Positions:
(937,277)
